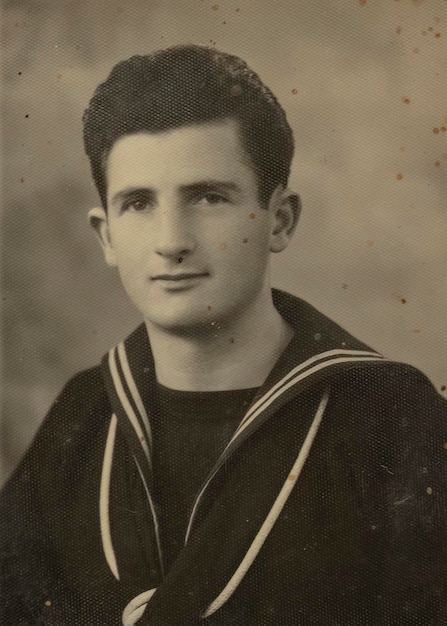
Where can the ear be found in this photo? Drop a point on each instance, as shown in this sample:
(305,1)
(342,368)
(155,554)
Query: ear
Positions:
(285,208)
(99,222)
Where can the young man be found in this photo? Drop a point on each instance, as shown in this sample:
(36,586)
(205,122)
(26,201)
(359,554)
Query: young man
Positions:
(239,458)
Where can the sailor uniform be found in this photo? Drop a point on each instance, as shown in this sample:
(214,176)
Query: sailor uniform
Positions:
(328,504)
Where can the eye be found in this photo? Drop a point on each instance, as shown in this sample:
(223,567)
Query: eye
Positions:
(212,198)
(136,205)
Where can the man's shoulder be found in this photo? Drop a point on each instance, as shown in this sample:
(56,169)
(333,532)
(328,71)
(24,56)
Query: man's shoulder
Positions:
(80,410)
(386,378)
(83,406)
(82,399)
(86,386)
(354,365)
(80,394)
(390,408)
(367,389)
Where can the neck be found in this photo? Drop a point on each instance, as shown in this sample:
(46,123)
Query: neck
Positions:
(223,355)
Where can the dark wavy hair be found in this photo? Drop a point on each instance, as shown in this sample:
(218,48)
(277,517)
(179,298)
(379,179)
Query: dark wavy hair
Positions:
(186,85)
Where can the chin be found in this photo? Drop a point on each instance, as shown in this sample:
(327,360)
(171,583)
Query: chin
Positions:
(186,326)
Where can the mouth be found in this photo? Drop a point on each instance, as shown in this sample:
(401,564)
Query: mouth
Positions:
(179,277)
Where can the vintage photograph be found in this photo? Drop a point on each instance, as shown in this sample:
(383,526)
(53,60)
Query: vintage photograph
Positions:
(224,293)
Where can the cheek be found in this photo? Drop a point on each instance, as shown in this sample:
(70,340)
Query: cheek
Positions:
(247,235)
(247,254)
(128,243)
(254,239)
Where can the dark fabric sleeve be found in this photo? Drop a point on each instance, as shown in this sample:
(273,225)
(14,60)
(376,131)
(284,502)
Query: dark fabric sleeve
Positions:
(398,447)
(29,567)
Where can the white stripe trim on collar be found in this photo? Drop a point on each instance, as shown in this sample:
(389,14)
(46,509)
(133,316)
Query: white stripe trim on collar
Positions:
(273,514)
(126,404)
(104,498)
(104,501)
(275,392)
(122,354)
(136,607)
(154,515)
(323,356)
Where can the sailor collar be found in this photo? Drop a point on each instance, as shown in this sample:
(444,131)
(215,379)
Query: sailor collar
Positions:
(319,347)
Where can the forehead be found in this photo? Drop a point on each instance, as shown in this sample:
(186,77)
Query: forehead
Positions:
(211,150)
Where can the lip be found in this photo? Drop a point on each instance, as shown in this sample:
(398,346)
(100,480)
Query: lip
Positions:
(179,277)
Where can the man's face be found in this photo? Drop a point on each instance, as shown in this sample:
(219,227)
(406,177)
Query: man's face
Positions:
(185,227)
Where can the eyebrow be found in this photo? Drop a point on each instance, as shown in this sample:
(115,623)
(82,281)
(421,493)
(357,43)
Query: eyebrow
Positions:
(124,194)
(205,185)
(196,187)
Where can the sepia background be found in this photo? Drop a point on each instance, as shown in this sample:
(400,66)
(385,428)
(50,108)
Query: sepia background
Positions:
(363,84)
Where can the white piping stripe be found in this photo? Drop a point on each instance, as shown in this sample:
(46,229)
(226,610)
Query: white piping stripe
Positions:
(272,397)
(133,388)
(274,513)
(104,499)
(136,607)
(126,404)
(266,401)
(305,365)
(154,515)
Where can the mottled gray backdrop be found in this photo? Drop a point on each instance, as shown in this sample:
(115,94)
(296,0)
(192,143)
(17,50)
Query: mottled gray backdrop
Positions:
(363,83)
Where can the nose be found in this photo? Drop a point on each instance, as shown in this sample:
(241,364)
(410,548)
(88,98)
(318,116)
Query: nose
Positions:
(174,238)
